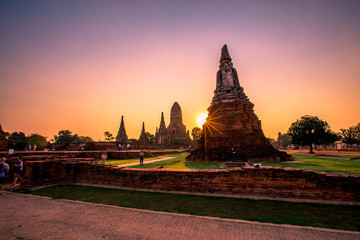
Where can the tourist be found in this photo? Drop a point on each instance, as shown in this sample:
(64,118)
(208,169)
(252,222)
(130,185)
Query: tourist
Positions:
(120,147)
(141,156)
(34,148)
(128,146)
(18,171)
(4,168)
(103,158)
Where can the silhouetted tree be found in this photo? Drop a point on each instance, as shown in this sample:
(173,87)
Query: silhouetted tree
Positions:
(150,138)
(84,139)
(17,140)
(284,141)
(38,140)
(309,130)
(108,136)
(273,142)
(351,135)
(196,134)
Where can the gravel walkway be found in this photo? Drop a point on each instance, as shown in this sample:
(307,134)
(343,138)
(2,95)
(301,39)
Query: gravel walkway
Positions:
(33,217)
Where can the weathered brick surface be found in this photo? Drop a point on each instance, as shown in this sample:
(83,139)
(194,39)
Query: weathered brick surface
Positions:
(265,182)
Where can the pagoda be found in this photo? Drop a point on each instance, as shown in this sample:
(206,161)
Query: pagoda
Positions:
(232,131)
(121,136)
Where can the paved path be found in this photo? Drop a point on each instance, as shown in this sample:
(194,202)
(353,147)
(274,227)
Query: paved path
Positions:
(33,217)
(145,162)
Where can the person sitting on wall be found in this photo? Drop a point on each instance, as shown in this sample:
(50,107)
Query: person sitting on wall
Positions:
(18,171)
(103,158)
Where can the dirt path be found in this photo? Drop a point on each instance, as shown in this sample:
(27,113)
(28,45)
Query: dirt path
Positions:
(145,162)
(33,217)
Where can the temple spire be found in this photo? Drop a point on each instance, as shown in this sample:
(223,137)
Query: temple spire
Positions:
(121,136)
(142,137)
(225,56)
(162,122)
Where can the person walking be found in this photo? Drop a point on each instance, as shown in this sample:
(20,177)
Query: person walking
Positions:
(141,156)
(18,171)
(4,169)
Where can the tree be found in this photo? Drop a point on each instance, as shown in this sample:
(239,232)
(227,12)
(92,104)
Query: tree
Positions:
(84,139)
(351,135)
(273,142)
(284,140)
(38,140)
(108,136)
(17,140)
(310,130)
(196,134)
(65,136)
(150,138)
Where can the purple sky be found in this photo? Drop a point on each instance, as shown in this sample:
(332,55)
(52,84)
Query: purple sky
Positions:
(81,65)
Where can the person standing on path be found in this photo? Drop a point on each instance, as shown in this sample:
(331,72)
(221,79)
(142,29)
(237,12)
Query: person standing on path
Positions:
(103,158)
(141,156)
(4,168)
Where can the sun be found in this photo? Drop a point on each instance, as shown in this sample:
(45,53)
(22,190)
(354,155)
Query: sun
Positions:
(201,119)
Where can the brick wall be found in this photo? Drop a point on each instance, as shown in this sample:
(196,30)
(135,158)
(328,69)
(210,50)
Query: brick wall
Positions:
(264,182)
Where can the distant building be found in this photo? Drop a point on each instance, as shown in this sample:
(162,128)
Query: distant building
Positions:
(175,133)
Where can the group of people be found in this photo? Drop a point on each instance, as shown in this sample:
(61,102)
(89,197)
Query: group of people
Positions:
(121,147)
(104,157)
(29,148)
(4,169)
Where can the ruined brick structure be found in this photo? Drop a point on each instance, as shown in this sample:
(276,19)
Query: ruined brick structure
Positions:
(121,136)
(175,133)
(249,181)
(232,131)
(3,141)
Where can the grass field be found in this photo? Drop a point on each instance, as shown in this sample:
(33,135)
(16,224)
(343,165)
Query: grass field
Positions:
(322,164)
(314,163)
(305,214)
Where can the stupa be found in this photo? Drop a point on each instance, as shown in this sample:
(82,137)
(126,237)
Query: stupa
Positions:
(142,138)
(232,131)
(121,136)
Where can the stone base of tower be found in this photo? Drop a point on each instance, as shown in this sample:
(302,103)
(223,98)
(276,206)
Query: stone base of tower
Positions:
(232,132)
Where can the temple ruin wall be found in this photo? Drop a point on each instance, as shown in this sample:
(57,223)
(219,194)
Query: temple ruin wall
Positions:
(263,182)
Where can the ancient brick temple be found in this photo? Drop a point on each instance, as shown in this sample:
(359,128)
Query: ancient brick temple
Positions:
(175,133)
(232,131)
(3,141)
(121,136)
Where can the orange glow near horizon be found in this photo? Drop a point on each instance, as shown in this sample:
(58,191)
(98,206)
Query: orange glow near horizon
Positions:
(83,69)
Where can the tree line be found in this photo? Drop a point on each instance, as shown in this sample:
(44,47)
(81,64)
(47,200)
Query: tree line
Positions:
(18,140)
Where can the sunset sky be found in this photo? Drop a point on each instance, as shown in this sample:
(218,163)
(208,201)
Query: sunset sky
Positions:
(81,65)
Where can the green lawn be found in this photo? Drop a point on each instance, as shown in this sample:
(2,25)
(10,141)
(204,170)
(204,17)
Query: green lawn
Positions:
(126,161)
(344,217)
(322,164)
(313,163)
